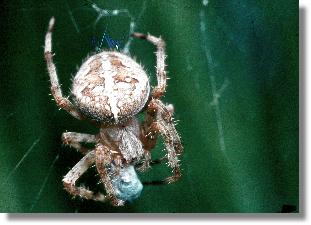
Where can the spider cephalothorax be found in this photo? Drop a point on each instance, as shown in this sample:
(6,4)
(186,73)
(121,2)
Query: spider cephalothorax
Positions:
(110,88)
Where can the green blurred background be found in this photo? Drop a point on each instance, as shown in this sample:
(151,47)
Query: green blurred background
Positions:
(234,84)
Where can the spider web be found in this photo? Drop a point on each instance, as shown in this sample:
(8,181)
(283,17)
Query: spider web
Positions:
(216,91)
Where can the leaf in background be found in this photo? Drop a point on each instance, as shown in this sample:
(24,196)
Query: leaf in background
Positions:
(234,84)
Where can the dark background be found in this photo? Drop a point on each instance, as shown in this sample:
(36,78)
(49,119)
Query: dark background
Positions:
(234,84)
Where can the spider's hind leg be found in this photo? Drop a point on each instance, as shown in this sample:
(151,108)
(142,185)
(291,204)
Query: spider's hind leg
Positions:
(159,90)
(56,91)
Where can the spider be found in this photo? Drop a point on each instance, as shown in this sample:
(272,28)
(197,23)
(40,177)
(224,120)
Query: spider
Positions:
(109,90)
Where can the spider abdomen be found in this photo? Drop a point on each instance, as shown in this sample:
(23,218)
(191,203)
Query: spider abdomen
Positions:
(110,87)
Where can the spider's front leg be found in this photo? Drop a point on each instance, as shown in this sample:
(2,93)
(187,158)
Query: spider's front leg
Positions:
(159,121)
(149,137)
(172,152)
(74,140)
(56,91)
(75,173)
(103,160)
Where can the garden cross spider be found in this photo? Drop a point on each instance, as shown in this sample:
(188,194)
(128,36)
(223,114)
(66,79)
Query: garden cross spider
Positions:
(110,89)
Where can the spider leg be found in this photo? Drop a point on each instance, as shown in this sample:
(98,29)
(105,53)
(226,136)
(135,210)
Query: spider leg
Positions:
(159,121)
(148,162)
(103,160)
(172,151)
(148,138)
(165,115)
(73,175)
(74,139)
(56,91)
(159,90)
(145,165)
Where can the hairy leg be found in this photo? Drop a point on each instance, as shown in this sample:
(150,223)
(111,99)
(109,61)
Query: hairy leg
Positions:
(164,115)
(74,140)
(73,175)
(159,90)
(172,155)
(145,165)
(147,162)
(159,121)
(103,162)
(56,91)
